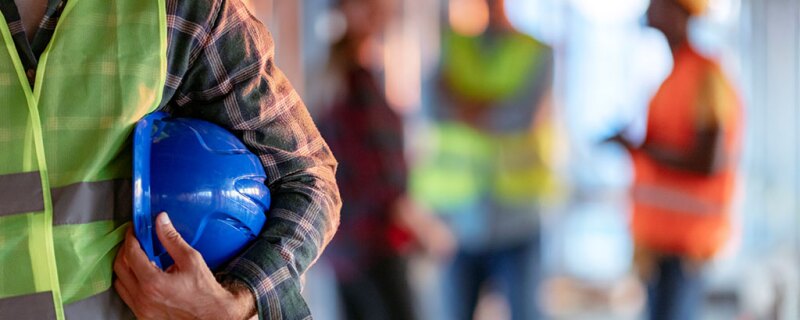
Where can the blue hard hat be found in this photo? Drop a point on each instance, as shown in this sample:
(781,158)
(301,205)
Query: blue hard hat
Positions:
(211,186)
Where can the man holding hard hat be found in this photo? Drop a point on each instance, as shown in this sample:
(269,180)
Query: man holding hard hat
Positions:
(75,77)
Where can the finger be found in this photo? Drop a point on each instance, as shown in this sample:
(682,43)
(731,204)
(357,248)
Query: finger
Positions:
(121,261)
(120,258)
(123,271)
(125,294)
(137,260)
(180,251)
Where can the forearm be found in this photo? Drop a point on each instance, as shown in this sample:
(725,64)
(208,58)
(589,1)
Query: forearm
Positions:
(302,221)
(705,157)
(304,217)
(234,83)
(676,160)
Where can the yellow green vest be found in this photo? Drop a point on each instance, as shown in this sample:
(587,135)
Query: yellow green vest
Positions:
(493,75)
(65,156)
(469,165)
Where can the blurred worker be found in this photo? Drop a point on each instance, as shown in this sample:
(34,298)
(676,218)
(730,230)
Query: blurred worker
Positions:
(379,222)
(488,172)
(685,169)
(77,76)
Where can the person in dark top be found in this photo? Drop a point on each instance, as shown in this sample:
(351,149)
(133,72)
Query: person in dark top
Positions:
(379,223)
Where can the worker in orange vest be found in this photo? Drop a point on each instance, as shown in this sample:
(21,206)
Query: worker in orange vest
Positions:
(685,171)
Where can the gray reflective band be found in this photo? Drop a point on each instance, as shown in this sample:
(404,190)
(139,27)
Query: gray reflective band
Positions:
(20,193)
(105,305)
(33,306)
(87,202)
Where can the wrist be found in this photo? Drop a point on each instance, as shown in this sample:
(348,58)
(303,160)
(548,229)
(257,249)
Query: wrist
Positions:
(242,300)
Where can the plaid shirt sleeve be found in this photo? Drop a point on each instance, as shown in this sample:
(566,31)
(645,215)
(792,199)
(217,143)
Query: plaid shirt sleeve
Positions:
(222,70)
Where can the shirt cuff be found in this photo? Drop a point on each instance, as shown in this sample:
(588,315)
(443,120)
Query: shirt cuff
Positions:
(275,286)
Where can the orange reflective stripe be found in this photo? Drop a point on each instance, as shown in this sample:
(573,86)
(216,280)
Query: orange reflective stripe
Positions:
(675,200)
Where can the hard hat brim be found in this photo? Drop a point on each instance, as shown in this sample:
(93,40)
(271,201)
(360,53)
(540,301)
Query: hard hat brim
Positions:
(142,211)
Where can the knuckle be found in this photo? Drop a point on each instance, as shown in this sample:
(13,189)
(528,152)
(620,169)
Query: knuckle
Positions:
(118,267)
(173,235)
(194,255)
(128,243)
(150,290)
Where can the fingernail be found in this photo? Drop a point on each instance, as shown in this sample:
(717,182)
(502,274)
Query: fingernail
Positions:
(163,218)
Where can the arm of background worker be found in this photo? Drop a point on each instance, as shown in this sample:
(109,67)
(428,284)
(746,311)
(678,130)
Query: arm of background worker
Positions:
(426,229)
(708,154)
(542,92)
(550,148)
(706,157)
(232,81)
(430,232)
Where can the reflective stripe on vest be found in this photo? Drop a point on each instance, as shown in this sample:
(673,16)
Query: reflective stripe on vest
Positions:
(675,200)
(106,304)
(83,202)
(35,306)
(32,306)
(20,193)
(87,202)
(65,165)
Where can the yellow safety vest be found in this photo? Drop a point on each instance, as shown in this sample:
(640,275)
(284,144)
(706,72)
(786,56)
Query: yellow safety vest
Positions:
(490,75)
(469,165)
(65,156)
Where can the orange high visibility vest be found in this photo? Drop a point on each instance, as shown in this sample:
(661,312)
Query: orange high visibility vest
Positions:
(676,211)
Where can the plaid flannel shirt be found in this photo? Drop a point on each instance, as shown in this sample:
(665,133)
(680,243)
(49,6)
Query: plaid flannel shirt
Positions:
(367,137)
(221,69)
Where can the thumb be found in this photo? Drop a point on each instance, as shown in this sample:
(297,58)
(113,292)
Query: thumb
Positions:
(181,252)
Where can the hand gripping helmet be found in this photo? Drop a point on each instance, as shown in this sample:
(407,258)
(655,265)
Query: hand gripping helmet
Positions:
(211,186)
